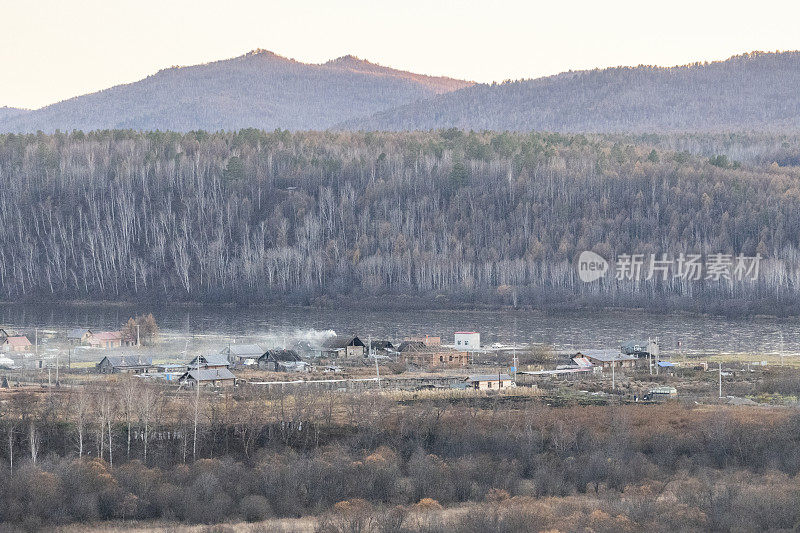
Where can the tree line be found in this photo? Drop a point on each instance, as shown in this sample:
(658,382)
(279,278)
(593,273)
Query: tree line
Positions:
(447,217)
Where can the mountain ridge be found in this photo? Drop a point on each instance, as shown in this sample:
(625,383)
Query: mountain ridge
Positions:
(752,91)
(260,89)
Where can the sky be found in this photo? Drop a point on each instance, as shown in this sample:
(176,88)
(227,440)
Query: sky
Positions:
(51,50)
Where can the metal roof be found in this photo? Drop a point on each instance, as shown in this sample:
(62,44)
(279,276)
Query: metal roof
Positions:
(488,377)
(77,333)
(607,356)
(280,355)
(208,374)
(216,359)
(246,350)
(122,361)
(342,342)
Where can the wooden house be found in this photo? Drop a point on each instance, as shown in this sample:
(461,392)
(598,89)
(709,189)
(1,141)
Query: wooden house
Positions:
(215,377)
(212,361)
(79,336)
(282,361)
(243,354)
(343,347)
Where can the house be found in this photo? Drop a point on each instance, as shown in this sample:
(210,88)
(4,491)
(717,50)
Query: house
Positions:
(129,364)
(347,347)
(608,358)
(427,340)
(79,336)
(16,344)
(215,377)
(282,361)
(423,356)
(382,347)
(209,361)
(243,354)
(489,382)
(105,339)
(467,340)
(648,348)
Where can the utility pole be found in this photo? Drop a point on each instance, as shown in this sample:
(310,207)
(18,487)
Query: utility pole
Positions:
(613,376)
(137,335)
(196,409)
(720,379)
(57,354)
(514,350)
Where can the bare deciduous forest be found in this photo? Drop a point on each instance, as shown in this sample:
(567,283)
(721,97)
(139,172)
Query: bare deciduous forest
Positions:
(131,452)
(449,217)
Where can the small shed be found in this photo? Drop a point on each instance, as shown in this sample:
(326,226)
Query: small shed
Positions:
(128,364)
(489,381)
(662,393)
(215,377)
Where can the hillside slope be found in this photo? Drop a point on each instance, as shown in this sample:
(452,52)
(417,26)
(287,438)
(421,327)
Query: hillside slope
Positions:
(8,112)
(259,90)
(755,91)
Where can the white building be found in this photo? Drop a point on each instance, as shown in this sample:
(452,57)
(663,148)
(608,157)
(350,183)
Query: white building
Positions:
(467,340)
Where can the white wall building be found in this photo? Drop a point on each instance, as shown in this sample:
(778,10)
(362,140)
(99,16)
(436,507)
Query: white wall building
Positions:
(467,340)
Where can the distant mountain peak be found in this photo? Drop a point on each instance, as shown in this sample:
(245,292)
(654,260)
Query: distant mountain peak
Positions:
(348,59)
(259,89)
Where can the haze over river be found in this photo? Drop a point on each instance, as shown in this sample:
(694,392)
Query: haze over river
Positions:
(566,331)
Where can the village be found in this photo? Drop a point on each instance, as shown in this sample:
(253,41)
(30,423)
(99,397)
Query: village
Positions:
(634,371)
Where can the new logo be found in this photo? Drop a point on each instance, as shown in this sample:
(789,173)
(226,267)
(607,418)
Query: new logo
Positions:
(591,266)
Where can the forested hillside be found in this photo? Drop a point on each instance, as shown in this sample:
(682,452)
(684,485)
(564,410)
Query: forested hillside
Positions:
(755,91)
(345,219)
(7,112)
(259,89)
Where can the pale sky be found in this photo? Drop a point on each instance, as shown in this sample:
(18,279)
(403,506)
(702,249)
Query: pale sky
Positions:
(51,50)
